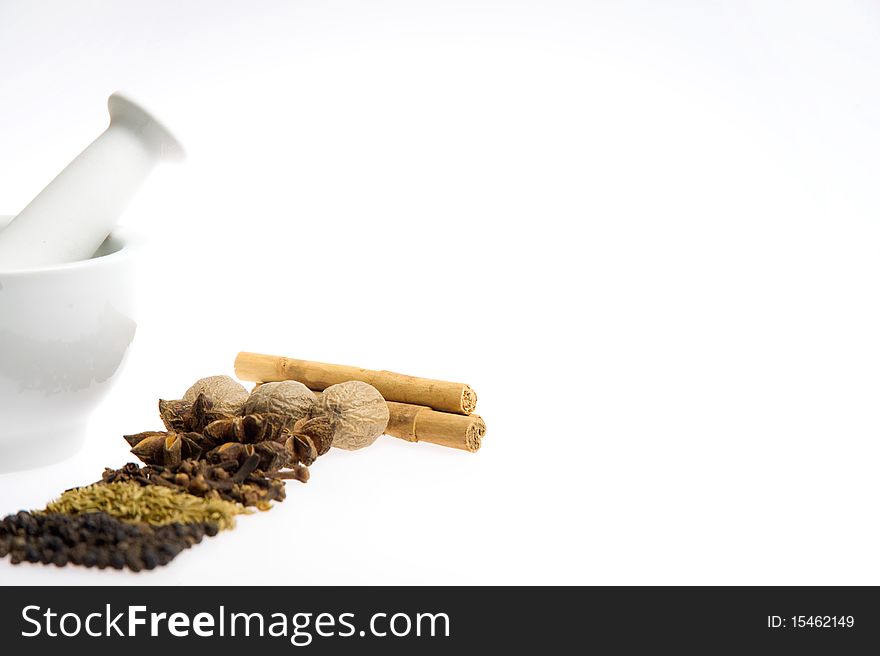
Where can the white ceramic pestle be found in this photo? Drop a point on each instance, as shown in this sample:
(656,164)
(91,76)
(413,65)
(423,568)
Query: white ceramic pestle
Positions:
(73,215)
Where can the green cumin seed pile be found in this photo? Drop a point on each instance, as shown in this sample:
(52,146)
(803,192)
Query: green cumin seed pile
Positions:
(152,504)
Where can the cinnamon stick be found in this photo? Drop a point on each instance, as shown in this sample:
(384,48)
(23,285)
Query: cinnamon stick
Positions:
(416,423)
(436,394)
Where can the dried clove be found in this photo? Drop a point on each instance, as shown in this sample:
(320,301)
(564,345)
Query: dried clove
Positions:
(201,478)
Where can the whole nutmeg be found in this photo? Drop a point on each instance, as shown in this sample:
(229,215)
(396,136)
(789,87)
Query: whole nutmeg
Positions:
(226,395)
(357,413)
(292,400)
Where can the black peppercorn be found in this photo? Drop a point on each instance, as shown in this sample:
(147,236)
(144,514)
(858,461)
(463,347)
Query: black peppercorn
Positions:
(95,540)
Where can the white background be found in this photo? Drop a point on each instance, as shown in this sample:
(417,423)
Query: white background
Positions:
(646,233)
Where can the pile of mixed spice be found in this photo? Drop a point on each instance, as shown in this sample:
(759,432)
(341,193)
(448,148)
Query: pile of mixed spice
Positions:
(223,452)
(226,451)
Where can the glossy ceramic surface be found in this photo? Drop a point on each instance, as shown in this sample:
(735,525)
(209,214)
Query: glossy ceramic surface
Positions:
(69,219)
(64,333)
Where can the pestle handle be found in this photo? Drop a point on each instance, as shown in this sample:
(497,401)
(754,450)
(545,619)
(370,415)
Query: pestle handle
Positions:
(73,215)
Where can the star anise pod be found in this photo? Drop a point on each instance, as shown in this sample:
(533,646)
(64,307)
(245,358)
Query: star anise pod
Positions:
(270,456)
(176,415)
(137,438)
(319,430)
(309,439)
(249,429)
(157,448)
(301,449)
(273,456)
(184,417)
